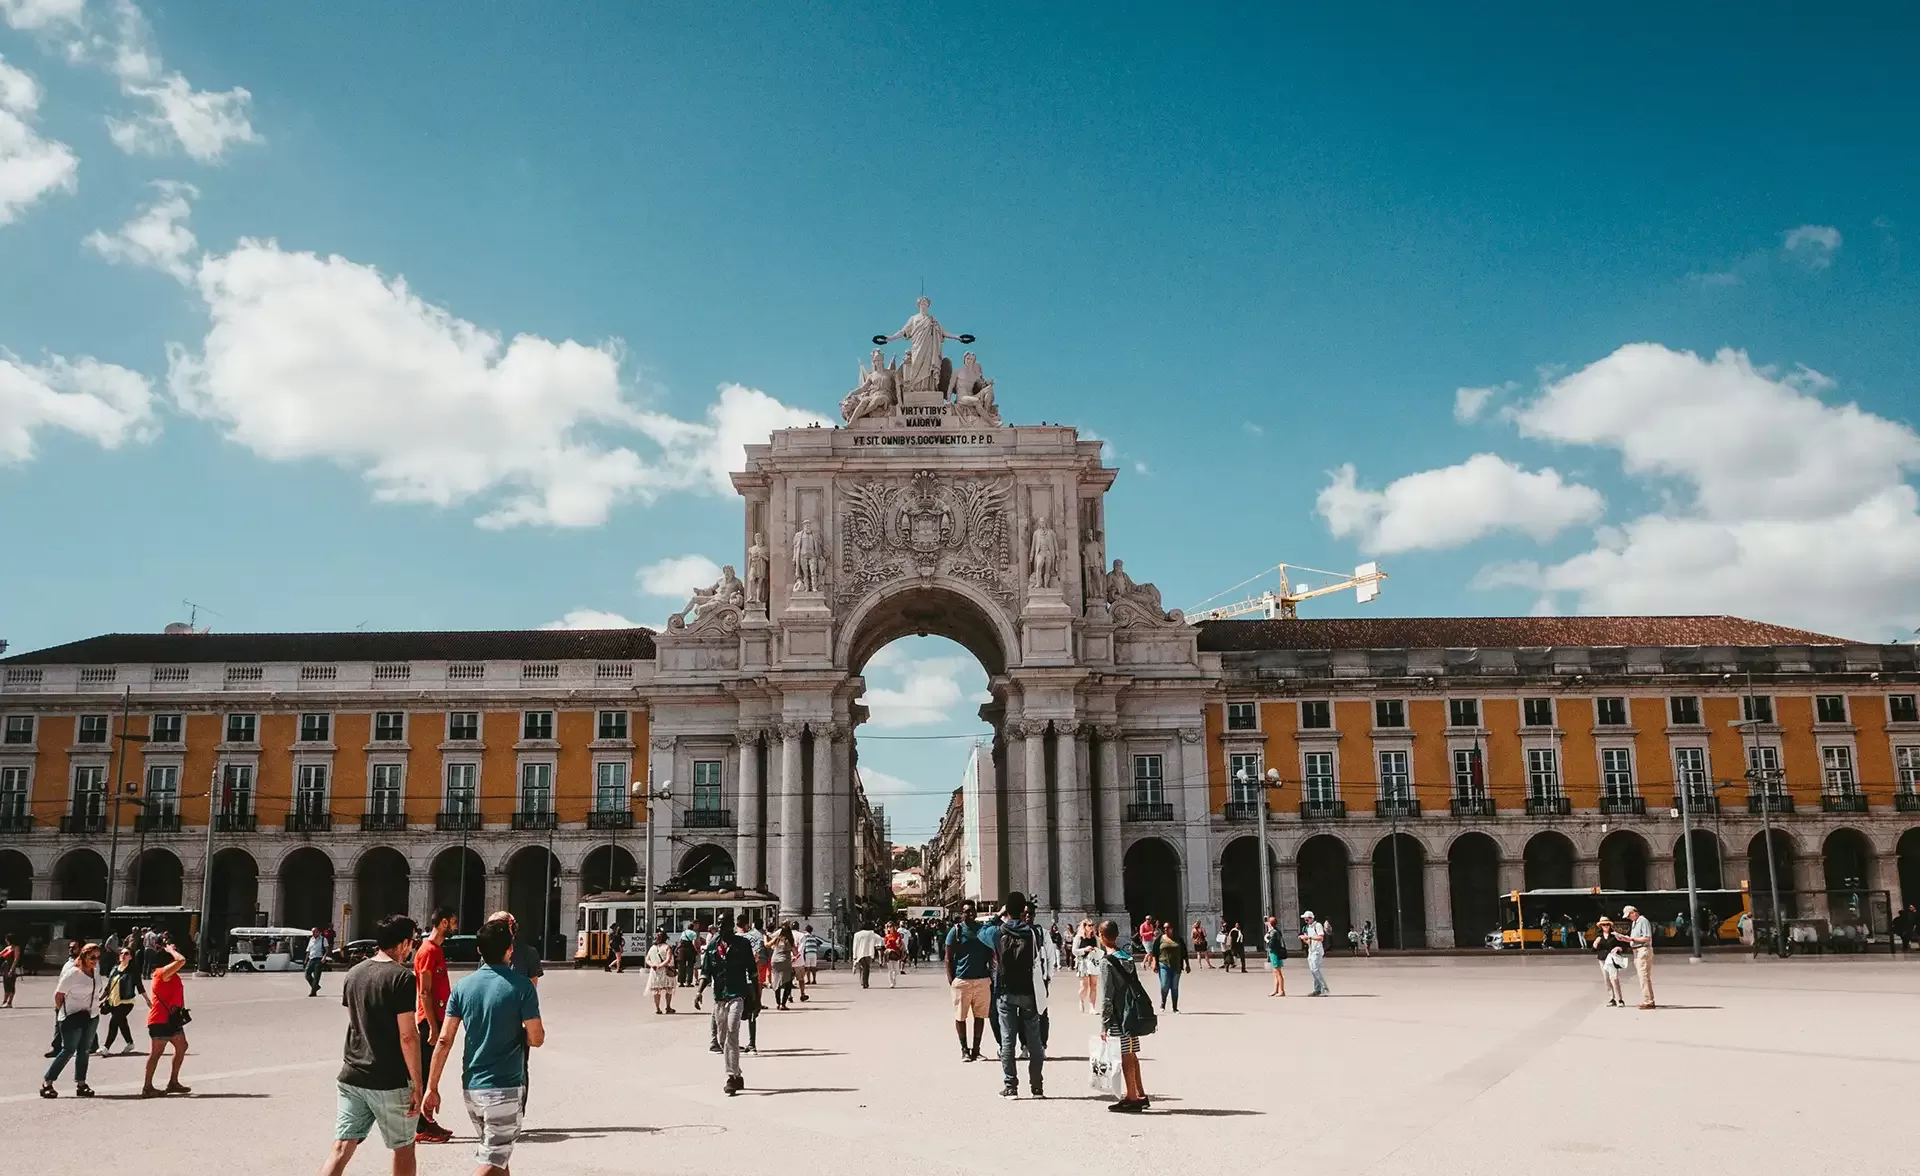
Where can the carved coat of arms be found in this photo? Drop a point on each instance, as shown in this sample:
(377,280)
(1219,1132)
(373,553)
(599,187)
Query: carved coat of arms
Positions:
(926,526)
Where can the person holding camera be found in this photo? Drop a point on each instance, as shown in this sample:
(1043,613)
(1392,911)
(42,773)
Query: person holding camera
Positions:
(167,1018)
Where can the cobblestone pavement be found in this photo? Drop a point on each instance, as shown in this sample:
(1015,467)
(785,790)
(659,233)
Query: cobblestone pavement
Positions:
(1413,1066)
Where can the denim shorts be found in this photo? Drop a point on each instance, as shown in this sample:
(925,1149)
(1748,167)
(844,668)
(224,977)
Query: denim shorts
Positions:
(496,1119)
(358,1109)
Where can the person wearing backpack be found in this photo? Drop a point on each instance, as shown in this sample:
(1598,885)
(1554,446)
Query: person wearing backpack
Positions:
(1277,956)
(1020,994)
(1126,1014)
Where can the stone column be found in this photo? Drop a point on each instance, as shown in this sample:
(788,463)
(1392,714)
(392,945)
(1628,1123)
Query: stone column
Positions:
(495,892)
(1286,887)
(1360,900)
(747,827)
(1075,875)
(1513,874)
(1196,812)
(419,892)
(1586,871)
(1034,805)
(1113,794)
(1439,904)
(826,790)
(792,828)
(568,923)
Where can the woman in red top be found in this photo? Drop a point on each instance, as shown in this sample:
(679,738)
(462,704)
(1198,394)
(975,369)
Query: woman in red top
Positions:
(167,1021)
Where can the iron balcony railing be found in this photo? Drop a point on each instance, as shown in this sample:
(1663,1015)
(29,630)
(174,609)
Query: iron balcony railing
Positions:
(1244,810)
(235,823)
(1143,810)
(84,823)
(1699,802)
(1323,810)
(455,820)
(162,822)
(309,821)
(1777,802)
(610,819)
(1843,802)
(708,819)
(1549,806)
(535,819)
(1400,809)
(383,822)
(1623,806)
(1471,806)
(16,822)
(1906,802)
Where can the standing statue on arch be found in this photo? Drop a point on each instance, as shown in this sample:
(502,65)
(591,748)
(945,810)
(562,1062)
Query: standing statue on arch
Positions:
(921,371)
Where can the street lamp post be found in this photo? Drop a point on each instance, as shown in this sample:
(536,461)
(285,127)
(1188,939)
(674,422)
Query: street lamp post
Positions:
(646,791)
(1693,891)
(119,789)
(1249,781)
(206,876)
(1762,782)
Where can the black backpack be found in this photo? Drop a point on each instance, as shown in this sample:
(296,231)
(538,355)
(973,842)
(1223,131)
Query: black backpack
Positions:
(1277,944)
(1137,1015)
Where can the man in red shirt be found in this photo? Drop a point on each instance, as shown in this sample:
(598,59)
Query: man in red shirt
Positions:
(430,972)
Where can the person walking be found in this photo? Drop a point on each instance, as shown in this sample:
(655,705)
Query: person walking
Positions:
(866,945)
(970,976)
(1021,1000)
(381,1080)
(1639,937)
(1313,936)
(687,954)
(1366,938)
(1200,949)
(167,1018)
(893,948)
(1086,966)
(73,1001)
(811,946)
(122,984)
(1120,991)
(433,986)
(1171,955)
(1149,935)
(1236,948)
(501,1011)
(661,980)
(10,959)
(782,948)
(729,966)
(316,960)
(1276,956)
(1611,951)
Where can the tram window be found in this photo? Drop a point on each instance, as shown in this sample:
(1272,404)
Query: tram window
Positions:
(625,916)
(703,916)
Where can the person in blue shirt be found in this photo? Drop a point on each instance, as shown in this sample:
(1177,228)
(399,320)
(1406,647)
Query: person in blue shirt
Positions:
(1020,994)
(970,975)
(501,1012)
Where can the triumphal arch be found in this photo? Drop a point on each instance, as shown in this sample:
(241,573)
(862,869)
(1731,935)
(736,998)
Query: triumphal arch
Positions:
(926,512)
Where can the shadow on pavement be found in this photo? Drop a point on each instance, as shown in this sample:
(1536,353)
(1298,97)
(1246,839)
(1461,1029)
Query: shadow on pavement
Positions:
(803,1089)
(561,1134)
(1208,1112)
(135,1097)
(809,1051)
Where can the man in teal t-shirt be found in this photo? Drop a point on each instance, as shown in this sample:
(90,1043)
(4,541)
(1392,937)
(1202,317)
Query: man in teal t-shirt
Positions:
(501,1012)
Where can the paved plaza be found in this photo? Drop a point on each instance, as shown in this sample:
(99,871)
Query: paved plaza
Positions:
(1415,1065)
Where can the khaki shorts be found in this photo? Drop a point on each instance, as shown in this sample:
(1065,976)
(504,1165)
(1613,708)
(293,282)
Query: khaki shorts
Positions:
(970,998)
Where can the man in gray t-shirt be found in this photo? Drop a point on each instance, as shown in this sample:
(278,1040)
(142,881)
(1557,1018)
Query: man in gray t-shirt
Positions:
(1640,937)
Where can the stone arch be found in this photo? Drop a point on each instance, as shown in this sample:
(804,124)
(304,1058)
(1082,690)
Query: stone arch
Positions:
(1846,859)
(947,608)
(457,878)
(306,888)
(607,867)
(1908,851)
(1786,859)
(1323,866)
(1547,862)
(235,892)
(155,877)
(1708,870)
(1400,891)
(1473,877)
(16,874)
(1150,875)
(1240,882)
(706,866)
(80,874)
(1626,862)
(380,884)
(533,897)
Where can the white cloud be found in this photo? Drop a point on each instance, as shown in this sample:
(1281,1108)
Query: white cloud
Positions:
(678,576)
(883,784)
(1468,403)
(321,357)
(38,15)
(1450,507)
(930,691)
(158,237)
(107,404)
(30,166)
(593,618)
(1252,430)
(1812,245)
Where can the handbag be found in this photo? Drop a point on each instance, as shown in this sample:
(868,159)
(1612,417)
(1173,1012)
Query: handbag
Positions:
(1103,1060)
(177,1018)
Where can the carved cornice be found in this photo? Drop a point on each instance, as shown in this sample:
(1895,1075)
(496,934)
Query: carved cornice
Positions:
(1190,734)
(790,730)
(663,742)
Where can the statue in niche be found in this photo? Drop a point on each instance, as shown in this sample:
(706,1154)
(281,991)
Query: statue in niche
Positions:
(1093,561)
(1045,549)
(973,393)
(921,370)
(809,559)
(876,393)
(757,570)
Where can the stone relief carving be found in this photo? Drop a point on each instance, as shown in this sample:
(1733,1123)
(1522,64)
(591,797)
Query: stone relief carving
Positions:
(922,526)
(1189,734)
(1045,558)
(1021,728)
(712,610)
(757,570)
(1137,604)
(809,559)
(790,730)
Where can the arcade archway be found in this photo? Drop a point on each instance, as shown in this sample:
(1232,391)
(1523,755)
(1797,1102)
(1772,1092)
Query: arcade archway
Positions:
(1707,874)
(1909,858)
(235,891)
(379,889)
(1547,862)
(608,867)
(1400,891)
(155,878)
(1847,862)
(1240,885)
(80,874)
(1322,864)
(458,878)
(533,897)
(705,867)
(306,888)
(1151,882)
(1625,862)
(16,875)
(1785,872)
(1473,874)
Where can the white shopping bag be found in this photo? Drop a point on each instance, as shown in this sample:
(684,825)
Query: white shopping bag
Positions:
(1103,1059)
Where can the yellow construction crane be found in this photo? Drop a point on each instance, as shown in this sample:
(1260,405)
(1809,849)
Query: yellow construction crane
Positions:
(1285,604)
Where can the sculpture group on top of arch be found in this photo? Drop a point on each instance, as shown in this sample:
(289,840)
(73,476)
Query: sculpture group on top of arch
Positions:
(886,391)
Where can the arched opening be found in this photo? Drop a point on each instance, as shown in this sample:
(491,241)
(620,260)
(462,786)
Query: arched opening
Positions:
(1707,874)
(1847,867)
(1624,861)
(1547,862)
(155,879)
(1322,867)
(1761,881)
(1473,875)
(1150,879)
(16,875)
(1400,891)
(1909,857)
(235,898)
(81,875)
(608,867)
(379,889)
(1240,884)
(704,867)
(533,897)
(459,880)
(306,888)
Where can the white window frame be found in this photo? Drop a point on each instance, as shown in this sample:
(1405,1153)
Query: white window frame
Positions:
(1674,720)
(1764,758)
(326,722)
(454,716)
(1552,713)
(1396,774)
(1253,716)
(1837,775)
(95,774)
(1846,714)
(1251,761)
(1307,702)
(1464,787)
(1543,774)
(600,726)
(1750,704)
(396,772)
(1617,781)
(1690,772)
(377,737)
(713,789)
(179,726)
(1378,703)
(304,773)
(1319,787)
(1906,768)
(1479,713)
(6,732)
(250,720)
(536,782)
(1149,787)
(1913,705)
(1626,711)
(527,722)
(16,790)
(467,773)
(236,780)
(163,781)
(80,730)
(610,786)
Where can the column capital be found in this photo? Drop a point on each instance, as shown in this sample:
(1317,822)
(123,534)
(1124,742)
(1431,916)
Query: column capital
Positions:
(1189,734)
(1023,728)
(747,736)
(790,730)
(1069,729)
(661,742)
(1109,733)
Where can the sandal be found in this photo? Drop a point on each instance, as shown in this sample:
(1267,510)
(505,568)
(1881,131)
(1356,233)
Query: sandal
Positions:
(83,1091)
(47,1090)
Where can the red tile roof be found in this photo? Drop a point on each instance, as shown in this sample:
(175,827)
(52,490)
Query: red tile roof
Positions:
(473,645)
(1497,633)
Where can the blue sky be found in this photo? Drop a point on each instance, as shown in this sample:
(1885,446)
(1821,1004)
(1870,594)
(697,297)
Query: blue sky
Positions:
(446,345)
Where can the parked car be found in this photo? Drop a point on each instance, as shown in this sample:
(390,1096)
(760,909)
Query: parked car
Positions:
(353,951)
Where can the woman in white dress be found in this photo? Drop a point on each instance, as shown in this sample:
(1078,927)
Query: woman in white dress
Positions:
(660,977)
(1086,964)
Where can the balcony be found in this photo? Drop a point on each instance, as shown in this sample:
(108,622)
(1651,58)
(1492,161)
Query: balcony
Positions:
(309,821)
(234,823)
(1150,811)
(81,823)
(1698,803)
(1906,802)
(1471,806)
(16,822)
(161,822)
(1549,806)
(1843,802)
(1776,802)
(1243,810)
(383,822)
(535,819)
(456,820)
(1396,810)
(610,819)
(708,819)
(1323,810)
(1623,806)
